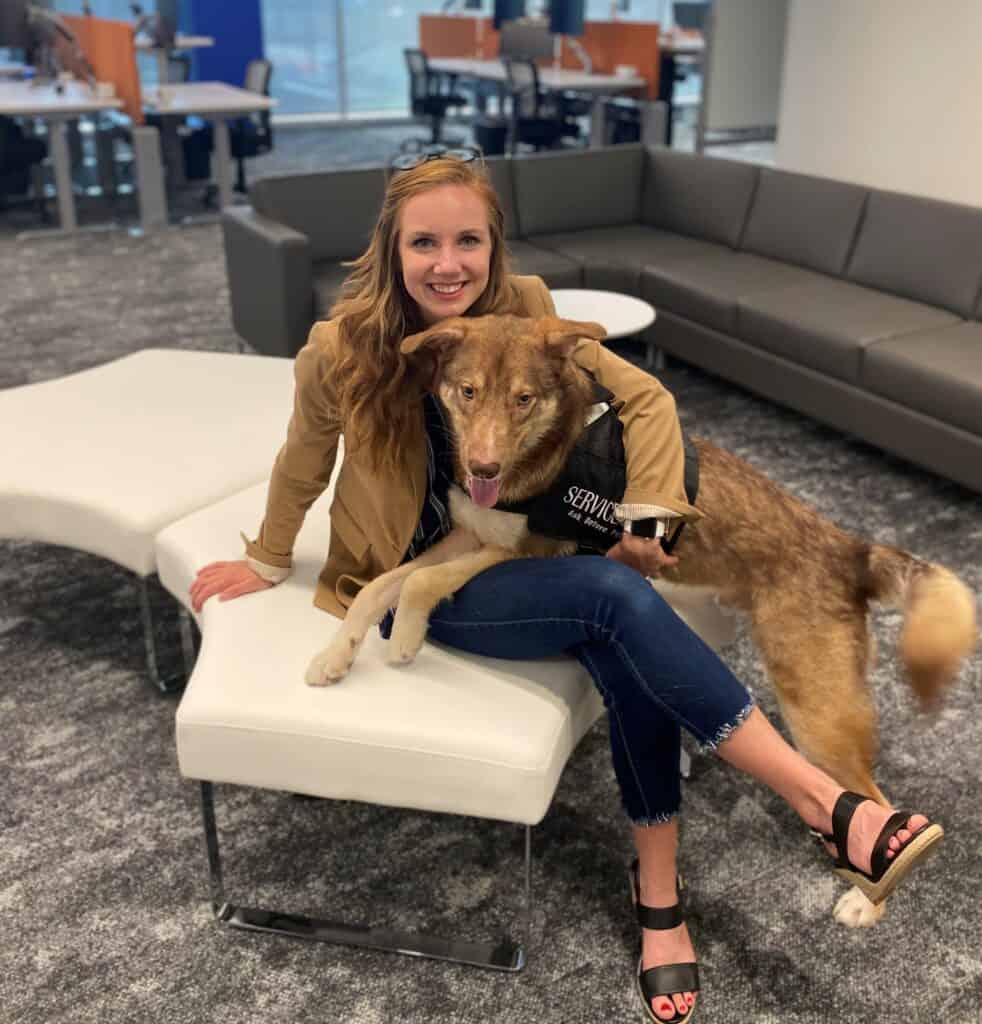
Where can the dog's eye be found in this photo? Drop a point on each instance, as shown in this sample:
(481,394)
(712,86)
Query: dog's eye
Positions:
(466,391)
(524,399)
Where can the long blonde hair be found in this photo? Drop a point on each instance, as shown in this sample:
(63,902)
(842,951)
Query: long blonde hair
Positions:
(375,383)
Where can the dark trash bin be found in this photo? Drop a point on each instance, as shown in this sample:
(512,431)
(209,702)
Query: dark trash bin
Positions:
(197,146)
(491,133)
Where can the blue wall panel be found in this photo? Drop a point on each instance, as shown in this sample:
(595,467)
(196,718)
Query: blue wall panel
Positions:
(237,29)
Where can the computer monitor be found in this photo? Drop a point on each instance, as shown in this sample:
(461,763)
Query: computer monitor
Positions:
(525,39)
(691,15)
(15,31)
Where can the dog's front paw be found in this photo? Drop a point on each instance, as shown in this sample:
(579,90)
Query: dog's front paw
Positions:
(854,910)
(332,664)
(408,634)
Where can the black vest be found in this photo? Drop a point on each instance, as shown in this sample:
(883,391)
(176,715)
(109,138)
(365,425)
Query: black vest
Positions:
(579,505)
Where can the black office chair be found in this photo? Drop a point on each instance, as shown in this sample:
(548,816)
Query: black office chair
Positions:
(431,94)
(20,160)
(253,135)
(539,119)
(179,67)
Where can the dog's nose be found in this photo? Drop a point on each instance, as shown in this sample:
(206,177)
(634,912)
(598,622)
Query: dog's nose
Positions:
(485,470)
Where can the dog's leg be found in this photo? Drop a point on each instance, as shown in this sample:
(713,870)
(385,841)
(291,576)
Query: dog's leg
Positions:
(371,604)
(425,589)
(819,675)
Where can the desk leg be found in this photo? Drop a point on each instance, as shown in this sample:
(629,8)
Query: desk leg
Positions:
(598,121)
(162,67)
(223,163)
(150,177)
(58,143)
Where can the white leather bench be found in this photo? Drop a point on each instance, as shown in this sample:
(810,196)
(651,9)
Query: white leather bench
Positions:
(103,459)
(452,733)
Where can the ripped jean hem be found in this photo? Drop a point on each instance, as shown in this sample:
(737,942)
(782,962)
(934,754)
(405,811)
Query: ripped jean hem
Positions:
(726,731)
(662,818)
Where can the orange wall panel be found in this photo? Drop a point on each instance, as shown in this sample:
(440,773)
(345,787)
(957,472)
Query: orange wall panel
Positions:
(608,43)
(110,49)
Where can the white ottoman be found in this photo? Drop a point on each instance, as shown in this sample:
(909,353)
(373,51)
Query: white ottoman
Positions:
(452,732)
(102,460)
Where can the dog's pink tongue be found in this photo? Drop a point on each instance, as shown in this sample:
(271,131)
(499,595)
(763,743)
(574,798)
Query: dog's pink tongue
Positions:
(484,493)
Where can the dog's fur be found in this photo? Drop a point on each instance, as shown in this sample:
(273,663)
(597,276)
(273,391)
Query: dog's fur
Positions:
(516,403)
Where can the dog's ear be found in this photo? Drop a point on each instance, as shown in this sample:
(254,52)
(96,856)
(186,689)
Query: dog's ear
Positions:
(562,336)
(437,338)
(428,349)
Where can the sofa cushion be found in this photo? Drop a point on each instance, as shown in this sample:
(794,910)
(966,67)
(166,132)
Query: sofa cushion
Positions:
(938,372)
(707,289)
(328,278)
(923,249)
(577,190)
(499,171)
(804,220)
(828,324)
(556,270)
(697,195)
(612,258)
(336,210)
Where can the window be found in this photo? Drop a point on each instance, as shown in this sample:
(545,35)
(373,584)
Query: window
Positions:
(300,38)
(375,34)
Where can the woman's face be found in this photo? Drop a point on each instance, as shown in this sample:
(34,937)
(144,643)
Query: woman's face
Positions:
(445,249)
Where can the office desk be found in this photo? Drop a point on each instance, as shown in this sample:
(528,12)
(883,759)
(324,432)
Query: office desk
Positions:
(553,79)
(22,99)
(219,103)
(162,53)
(550,78)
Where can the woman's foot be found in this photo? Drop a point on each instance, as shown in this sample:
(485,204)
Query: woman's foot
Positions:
(662,947)
(864,830)
(659,948)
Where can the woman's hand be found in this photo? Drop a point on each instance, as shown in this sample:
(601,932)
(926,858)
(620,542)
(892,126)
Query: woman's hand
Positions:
(228,580)
(642,553)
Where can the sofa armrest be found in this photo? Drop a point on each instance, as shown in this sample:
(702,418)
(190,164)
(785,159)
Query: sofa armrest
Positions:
(270,281)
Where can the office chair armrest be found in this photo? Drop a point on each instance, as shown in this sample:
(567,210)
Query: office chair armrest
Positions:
(270,281)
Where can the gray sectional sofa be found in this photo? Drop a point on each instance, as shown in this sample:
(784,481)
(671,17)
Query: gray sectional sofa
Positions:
(859,307)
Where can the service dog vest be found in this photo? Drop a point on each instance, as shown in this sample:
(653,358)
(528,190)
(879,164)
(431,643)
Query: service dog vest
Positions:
(579,505)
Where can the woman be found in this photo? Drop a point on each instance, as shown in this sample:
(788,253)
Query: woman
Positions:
(438,251)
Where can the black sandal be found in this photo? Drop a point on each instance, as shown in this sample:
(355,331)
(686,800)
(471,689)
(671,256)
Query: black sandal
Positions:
(670,979)
(887,872)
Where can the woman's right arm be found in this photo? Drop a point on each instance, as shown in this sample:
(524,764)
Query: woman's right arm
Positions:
(300,475)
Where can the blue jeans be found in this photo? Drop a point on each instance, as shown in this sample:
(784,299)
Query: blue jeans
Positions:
(654,674)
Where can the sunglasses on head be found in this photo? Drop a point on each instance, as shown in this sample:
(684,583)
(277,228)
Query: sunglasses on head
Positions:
(407,161)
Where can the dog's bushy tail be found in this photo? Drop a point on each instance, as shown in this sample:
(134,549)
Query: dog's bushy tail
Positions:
(940,628)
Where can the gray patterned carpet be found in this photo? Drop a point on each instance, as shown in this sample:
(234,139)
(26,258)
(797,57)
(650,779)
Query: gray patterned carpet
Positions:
(103,883)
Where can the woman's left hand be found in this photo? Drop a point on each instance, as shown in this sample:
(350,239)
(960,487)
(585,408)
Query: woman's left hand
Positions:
(642,553)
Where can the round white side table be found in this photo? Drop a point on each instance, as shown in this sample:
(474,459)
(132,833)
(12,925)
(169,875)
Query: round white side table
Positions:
(623,316)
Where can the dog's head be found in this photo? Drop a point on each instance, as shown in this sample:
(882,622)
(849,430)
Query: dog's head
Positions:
(514,397)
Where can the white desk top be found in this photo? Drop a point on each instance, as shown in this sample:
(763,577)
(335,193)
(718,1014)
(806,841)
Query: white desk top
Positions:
(682,42)
(180,43)
(204,98)
(27,100)
(564,78)
(621,315)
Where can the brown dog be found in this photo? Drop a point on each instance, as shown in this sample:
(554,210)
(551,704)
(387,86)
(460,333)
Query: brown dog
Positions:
(516,402)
